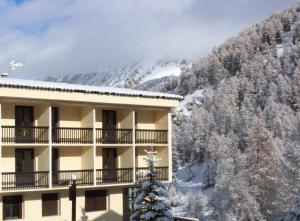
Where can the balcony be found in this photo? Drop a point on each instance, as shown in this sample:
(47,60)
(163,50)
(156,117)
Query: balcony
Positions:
(24,180)
(13,134)
(151,136)
(68,135)
(63,178)
(114,136)
(162,173)
(114,176)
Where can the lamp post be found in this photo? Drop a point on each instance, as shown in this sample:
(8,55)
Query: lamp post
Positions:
(72,196)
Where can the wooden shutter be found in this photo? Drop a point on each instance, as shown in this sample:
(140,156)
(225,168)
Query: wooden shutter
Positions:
(95,200)
(49,204)
(100,201)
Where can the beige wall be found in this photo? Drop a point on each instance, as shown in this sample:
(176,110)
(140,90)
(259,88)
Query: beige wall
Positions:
(75,158)
(87,117)
(125,157)
(98,160)
(41,113)
(161,120)
(162,155)
(8,159)
(145,119)
(70,158)
(32,206)
(124,118)
(87,158)
(69,116)
(152,119)
(41,159)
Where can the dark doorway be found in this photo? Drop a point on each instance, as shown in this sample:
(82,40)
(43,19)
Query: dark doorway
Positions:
(129,196)
(109,119)
(54,159)
(54,123)
(24,162)
(24,124)
(109,164)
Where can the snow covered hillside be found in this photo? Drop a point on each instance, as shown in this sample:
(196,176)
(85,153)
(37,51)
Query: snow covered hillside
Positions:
(188,187)
(136,76)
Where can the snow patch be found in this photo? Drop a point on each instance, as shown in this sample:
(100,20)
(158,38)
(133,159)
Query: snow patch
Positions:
(190,101)
(171,69)
(189,181)
(286,39)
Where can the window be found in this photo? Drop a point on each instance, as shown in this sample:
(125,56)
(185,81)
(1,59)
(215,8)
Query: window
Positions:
(12,207)
(95,200)
(49,204)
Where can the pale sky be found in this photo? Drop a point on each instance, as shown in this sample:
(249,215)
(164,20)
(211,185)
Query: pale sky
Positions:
(53,37)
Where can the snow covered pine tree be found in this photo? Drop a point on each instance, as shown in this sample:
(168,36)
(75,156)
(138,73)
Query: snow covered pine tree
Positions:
(150,204)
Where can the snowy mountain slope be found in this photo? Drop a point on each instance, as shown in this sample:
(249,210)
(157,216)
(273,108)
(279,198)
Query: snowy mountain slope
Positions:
(170,69)
(287,38)
(189,182)
(136,76)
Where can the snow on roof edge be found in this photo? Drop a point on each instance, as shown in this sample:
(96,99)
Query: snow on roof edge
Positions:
(13,82)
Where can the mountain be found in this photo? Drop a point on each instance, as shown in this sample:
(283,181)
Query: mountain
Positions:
(237,132)
(240,120)
(135,76)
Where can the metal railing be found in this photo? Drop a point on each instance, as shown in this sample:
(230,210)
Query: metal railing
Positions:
(113,176)
(162,173)
(13,134)
(113,136)
(151,136)
(24,180)
(68,135)
(63,177)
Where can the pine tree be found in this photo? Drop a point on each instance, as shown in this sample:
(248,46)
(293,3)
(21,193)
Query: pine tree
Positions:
(150,204)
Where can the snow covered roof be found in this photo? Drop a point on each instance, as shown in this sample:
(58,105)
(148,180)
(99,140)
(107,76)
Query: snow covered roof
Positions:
(20,83)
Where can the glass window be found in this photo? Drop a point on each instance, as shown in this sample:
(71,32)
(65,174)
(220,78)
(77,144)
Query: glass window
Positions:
(12,207)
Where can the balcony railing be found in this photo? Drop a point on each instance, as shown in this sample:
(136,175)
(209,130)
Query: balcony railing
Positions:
(25,180)
(68,135)
(114,136)
(13,134)
(63,177)
(113,176)
(151,136)
(162,173)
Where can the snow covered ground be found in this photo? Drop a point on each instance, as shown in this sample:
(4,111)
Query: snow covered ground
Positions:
(286,39)
(190,102)
(189,182)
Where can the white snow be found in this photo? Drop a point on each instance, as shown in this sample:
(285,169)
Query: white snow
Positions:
(12,82)
(188,183)
(286,39)
(171,69)
(186,106)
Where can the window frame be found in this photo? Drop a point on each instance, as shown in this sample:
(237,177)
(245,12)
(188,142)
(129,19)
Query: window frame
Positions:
(92,198)
(46,197)
(20,207)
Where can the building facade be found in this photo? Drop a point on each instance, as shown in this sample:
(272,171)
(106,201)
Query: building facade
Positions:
(53,131)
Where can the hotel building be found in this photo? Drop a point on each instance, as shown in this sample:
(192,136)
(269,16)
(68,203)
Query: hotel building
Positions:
(53,131)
